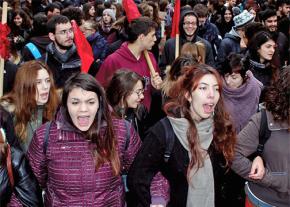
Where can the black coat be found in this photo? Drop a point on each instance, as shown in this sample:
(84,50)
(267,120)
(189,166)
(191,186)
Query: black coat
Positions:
(168,55)
(25,188)
(40,42)
(10,70)
(61,70)
(150,160)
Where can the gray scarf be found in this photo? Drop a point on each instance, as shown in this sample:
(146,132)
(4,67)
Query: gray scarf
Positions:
(201,184)
(63,58)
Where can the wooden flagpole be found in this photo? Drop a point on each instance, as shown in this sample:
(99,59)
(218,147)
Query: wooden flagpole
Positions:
(149,62)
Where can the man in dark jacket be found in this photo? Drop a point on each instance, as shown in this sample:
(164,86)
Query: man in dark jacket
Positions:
(61,55)
(283,15)
(207,30)
(270,21)
(188,27)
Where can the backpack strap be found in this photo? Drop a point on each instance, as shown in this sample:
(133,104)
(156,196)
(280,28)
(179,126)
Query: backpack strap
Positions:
(169,138)
(127,141)
(34,51)
(264,133)
(46,136)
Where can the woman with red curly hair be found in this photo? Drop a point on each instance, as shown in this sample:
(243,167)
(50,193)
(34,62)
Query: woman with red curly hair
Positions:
(202,131)
(272,188)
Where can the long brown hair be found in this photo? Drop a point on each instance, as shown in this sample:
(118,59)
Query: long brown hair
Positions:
(224,136)
(120,87)
(106,143)
(23,96)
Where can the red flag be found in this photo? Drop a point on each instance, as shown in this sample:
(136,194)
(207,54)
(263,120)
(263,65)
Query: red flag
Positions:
(4,42)
(83,47)
(175,20)
(131,10)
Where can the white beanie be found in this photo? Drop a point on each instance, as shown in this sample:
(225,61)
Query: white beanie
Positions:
(243,18)
(111,13)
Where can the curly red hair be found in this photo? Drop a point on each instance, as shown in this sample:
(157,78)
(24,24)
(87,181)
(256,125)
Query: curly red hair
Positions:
(224,133)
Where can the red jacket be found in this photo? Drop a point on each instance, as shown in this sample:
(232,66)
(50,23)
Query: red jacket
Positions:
(124,59)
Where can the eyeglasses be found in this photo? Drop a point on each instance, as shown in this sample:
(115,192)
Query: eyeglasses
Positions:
(139,92)
(189,23)
(65,32)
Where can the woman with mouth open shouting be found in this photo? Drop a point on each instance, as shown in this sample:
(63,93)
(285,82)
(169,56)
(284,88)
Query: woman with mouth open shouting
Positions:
(201,131)
(84,149)
(32,101)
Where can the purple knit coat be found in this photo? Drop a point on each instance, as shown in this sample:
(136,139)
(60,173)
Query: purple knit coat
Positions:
(242,102)
(67,171)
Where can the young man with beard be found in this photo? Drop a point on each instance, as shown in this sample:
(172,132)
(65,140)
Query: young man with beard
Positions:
(188,27)
(283,15)
(61,55)
(283,9)
(270,21)
(141,37)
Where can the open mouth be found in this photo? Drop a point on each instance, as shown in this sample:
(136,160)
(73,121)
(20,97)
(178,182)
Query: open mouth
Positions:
(43,95)
(208,108)
(83,120)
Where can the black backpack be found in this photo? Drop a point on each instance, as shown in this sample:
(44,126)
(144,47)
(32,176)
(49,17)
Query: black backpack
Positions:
(169,138)
(264,133)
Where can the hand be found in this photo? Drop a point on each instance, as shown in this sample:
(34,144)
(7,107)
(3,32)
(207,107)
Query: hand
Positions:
(156,80)
(257,170)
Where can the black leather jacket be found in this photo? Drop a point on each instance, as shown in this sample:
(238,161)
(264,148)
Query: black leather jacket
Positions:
(25,188)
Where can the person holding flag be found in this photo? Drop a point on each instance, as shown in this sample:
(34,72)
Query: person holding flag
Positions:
(131,55)
(184,30)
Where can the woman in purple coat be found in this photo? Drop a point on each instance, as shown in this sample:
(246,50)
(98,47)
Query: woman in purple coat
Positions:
(81,162)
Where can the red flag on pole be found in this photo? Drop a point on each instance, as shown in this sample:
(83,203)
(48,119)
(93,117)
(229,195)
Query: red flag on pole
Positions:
(176,17)
(131,10)
(83,47)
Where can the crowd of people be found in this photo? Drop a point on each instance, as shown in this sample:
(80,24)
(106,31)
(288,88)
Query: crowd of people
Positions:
(198,120)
